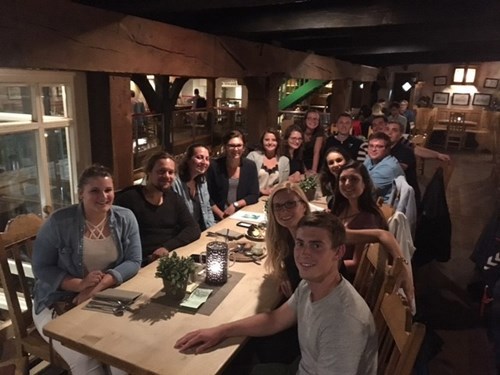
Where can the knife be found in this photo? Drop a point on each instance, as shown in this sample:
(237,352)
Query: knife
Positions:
(215,234)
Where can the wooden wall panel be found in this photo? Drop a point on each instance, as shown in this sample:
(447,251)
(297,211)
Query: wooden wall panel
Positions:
(69,36)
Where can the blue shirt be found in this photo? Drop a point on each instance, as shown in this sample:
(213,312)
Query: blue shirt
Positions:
(181,188)
(383,173)
(58,252)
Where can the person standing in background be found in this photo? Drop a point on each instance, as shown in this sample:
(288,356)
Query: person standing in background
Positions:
(409,114)
(314,136)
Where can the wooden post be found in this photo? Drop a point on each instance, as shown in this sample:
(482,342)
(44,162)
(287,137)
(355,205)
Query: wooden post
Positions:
(262,109)
(111,124)
(341,97)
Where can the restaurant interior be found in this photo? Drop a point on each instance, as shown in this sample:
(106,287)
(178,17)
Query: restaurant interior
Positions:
(66,74)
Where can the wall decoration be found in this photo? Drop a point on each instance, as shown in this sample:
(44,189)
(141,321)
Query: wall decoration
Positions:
(14,93)
(481,99)
(460,99)
(491,83)
(440,80)
(440,98)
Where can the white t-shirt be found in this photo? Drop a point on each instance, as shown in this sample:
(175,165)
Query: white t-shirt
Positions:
(336,334)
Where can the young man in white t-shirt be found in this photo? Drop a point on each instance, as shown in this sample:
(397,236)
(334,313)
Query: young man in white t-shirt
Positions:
(336,329)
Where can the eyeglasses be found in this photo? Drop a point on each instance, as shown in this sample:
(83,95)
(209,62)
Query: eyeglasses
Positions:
(235,145)
(376,146)
(287,205)
(296,139)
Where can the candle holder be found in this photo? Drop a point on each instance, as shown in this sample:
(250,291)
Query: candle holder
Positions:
(217,263)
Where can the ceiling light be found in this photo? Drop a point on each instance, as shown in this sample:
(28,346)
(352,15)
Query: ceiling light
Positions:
(406,86)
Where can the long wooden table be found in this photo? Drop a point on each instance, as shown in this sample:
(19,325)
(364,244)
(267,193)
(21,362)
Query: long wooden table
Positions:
(142,342)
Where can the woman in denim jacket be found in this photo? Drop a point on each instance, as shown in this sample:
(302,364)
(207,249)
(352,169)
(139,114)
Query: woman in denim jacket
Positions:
(191,184)
(81,250)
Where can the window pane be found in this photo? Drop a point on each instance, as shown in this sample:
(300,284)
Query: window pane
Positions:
(19,182)
(15,103)
(57,156)
(54,103)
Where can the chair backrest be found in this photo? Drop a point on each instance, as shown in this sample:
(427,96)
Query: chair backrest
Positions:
(371,273)
(456,124)
(16,244)
(399,338)
(375,275)
(457,117)
(387,209)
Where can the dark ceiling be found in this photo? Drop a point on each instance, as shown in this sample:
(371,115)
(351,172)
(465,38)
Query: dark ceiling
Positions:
(376,33)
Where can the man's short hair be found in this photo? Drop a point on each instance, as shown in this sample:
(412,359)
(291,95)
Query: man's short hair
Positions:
(401,126)
(404,102)
(379,116)
(381,136)
(394,105)
(327,221)
(344,114)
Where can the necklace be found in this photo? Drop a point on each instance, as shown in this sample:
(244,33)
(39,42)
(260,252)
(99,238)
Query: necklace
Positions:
(96,232)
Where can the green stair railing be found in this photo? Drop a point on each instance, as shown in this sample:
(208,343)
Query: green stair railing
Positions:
(301,92)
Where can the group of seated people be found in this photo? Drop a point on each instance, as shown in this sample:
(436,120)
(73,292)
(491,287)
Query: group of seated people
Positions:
(103,241)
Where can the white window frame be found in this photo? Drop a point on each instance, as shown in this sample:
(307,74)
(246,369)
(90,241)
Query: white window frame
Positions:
(37,79)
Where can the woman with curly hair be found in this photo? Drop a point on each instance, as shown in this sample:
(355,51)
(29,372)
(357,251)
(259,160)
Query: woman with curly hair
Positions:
(191,184)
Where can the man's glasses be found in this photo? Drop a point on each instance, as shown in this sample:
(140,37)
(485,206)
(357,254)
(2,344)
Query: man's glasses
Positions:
(287,205)
(376,146)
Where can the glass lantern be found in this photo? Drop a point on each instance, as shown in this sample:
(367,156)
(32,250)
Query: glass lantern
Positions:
(217,263)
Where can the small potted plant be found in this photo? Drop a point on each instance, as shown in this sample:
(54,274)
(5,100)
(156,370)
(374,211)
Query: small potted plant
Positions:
(308,186)
(175,272)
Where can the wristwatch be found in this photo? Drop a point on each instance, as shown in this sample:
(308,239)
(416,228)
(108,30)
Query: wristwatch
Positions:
(236,204)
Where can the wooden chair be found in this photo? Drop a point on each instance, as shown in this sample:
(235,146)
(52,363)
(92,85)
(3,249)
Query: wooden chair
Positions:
(375,276)
(455,130)
(386,208)
(399,338)
(420,140)
(16,246)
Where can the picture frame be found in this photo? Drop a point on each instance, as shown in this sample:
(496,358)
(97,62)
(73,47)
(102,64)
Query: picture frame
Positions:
(481,99)
(14,93)
(490,83)
(440,80)
(440,98)
(460,99)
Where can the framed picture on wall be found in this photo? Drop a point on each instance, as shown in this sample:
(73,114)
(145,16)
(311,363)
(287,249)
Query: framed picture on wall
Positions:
(481,99)
(491,83)
(460,99)
(440,98)
(14,92)
(440,80)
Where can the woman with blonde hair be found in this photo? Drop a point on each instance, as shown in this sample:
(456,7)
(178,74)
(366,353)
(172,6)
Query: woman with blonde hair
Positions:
(286,206)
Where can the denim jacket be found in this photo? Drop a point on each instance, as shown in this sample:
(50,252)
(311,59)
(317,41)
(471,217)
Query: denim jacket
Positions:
(58,252)
(181,188)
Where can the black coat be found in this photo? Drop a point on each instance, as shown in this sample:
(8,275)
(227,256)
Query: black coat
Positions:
(433,234)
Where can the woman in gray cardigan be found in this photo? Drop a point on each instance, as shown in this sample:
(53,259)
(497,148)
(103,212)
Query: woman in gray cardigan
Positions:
(271,167)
